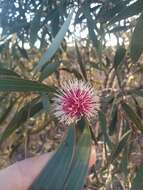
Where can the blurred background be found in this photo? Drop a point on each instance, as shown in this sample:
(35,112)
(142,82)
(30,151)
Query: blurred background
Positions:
(99,41)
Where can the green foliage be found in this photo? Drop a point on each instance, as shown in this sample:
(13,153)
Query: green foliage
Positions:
(119,56)
(137,38)
(137,182)
(30,77)
(80,165)
(49,174)
(49,69)
(29,110)
(114,120)
(133,116)
(120,146)
(128,10)
(7,72)
(103,126)
(138,92)
(55,44)
(71,159)
(21,85)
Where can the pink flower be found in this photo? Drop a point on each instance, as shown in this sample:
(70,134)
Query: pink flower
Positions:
(74,100)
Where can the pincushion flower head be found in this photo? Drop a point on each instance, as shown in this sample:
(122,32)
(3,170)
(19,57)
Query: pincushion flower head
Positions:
(74,100)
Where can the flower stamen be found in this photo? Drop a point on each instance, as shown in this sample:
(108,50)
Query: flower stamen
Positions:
(75,99)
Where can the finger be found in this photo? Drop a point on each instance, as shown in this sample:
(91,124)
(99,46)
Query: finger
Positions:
(10,178)
(30,168)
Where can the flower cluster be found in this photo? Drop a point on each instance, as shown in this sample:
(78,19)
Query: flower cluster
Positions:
(75,99)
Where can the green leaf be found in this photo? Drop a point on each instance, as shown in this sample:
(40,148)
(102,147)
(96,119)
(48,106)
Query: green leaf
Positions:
(124,162)
(108,99)
(119,56)
(48,70)
(128,11)
(23,52)
(137,183)
(113,121)
(23,85)
(59,164)
(29,110)
(7,72)
(137,92)
(70,160)
(2,47)
(133,116)
(99,66)
(35,26)
(80,62)
(103,125)
(120,146)
(136,46)
(91,25)
(46,102)
(55,22)
(74,71)
(55,44)
(6,112)
(79,170)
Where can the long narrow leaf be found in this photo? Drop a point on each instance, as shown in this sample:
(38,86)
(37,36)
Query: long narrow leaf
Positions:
(128,11)
(55,44)
(48,70)
(68,167)
(138,92)
(137,183)
(79,170)
(120,146)
(103,125)
(136,48)
(133,116)
(6,112)
(29,110)
(54,174)
(7,72)
(22,85)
